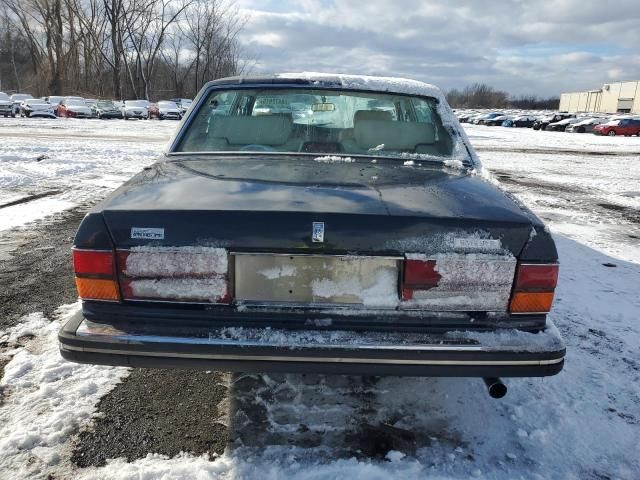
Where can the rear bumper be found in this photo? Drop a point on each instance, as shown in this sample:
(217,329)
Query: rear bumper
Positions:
(184,344)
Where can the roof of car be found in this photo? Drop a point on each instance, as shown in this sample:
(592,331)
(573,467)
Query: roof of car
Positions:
(350,82)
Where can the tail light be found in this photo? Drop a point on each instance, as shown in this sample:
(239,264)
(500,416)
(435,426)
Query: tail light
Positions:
(457,282)
(95,275)
(419,275)
(174,274)
(534,288)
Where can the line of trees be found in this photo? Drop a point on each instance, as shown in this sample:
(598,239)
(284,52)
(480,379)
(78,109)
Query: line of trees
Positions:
(480,95)
(118,48)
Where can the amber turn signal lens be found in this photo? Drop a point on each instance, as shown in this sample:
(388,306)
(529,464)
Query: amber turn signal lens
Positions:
(97,289)
(531,302)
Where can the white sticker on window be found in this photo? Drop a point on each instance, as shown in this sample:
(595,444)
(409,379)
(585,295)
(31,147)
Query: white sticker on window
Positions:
(147,233)
(476,243)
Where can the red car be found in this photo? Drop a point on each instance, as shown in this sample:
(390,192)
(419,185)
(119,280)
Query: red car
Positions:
(74,107)
(625,126)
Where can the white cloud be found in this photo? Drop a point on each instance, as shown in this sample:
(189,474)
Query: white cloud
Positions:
(524,47)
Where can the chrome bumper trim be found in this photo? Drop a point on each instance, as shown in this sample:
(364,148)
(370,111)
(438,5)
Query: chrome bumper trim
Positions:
(317,359)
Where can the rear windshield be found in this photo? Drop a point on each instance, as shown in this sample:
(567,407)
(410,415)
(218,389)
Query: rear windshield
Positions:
(318,121)
(76,103)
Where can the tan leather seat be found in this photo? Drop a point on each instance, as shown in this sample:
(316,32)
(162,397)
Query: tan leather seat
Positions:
(373,128)
(234,132)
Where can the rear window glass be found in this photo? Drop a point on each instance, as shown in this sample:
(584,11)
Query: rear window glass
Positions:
(317,121)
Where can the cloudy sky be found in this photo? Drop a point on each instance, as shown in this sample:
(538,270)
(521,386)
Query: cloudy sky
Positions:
(541,47)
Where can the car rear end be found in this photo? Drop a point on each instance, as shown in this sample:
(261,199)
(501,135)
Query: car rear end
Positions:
(470,308)
(289,261)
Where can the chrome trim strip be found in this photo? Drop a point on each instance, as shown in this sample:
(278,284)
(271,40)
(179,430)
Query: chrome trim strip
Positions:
(76,249)
(355,257)
(279,254)
(356,308)
(317,359)
(545,264)
(528,313)
(174,302)
(237,343)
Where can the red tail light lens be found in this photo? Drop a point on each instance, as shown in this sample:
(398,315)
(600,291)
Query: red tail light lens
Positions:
(536,277)
(419,275)
(93,262)
(95,275)
(534,288)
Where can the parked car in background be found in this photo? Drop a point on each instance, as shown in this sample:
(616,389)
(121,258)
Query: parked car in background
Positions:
(6,105)
(561,125)
(183,104)
(541,123)
(496,121)
(625,126)
(480,120)
(54,101)
(523,121)
(105,109)
(367,268)
(74,107)
(17,99)
(36,107)
(135,109)
(585,125)
(466,117)
(165,110)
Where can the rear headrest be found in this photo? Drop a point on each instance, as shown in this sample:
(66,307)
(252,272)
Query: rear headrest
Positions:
(372,115)
(370,129)
(263,129)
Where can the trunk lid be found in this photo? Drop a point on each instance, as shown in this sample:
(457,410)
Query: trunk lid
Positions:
(263,213)
(271,204)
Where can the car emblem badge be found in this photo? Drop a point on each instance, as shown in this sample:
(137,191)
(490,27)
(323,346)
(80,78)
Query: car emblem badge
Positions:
(317,233)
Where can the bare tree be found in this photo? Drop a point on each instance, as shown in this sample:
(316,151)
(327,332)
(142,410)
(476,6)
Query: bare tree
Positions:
(212,30)
(119,47)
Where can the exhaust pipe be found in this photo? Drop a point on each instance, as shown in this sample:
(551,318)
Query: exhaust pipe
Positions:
(496,388)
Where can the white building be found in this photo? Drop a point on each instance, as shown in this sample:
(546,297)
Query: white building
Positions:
(621,97)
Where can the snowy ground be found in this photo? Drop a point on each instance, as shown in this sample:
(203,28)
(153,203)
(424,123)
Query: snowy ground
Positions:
(581,424)
(69,161)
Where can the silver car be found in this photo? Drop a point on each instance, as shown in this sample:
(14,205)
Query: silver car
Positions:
(6,105)
(586,125)
(36,107)
(17,99)
(135,109)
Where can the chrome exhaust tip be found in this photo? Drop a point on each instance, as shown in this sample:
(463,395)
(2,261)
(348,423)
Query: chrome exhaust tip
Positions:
(495,387)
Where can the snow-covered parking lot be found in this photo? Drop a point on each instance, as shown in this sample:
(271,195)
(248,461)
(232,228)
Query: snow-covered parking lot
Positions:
(63,420)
